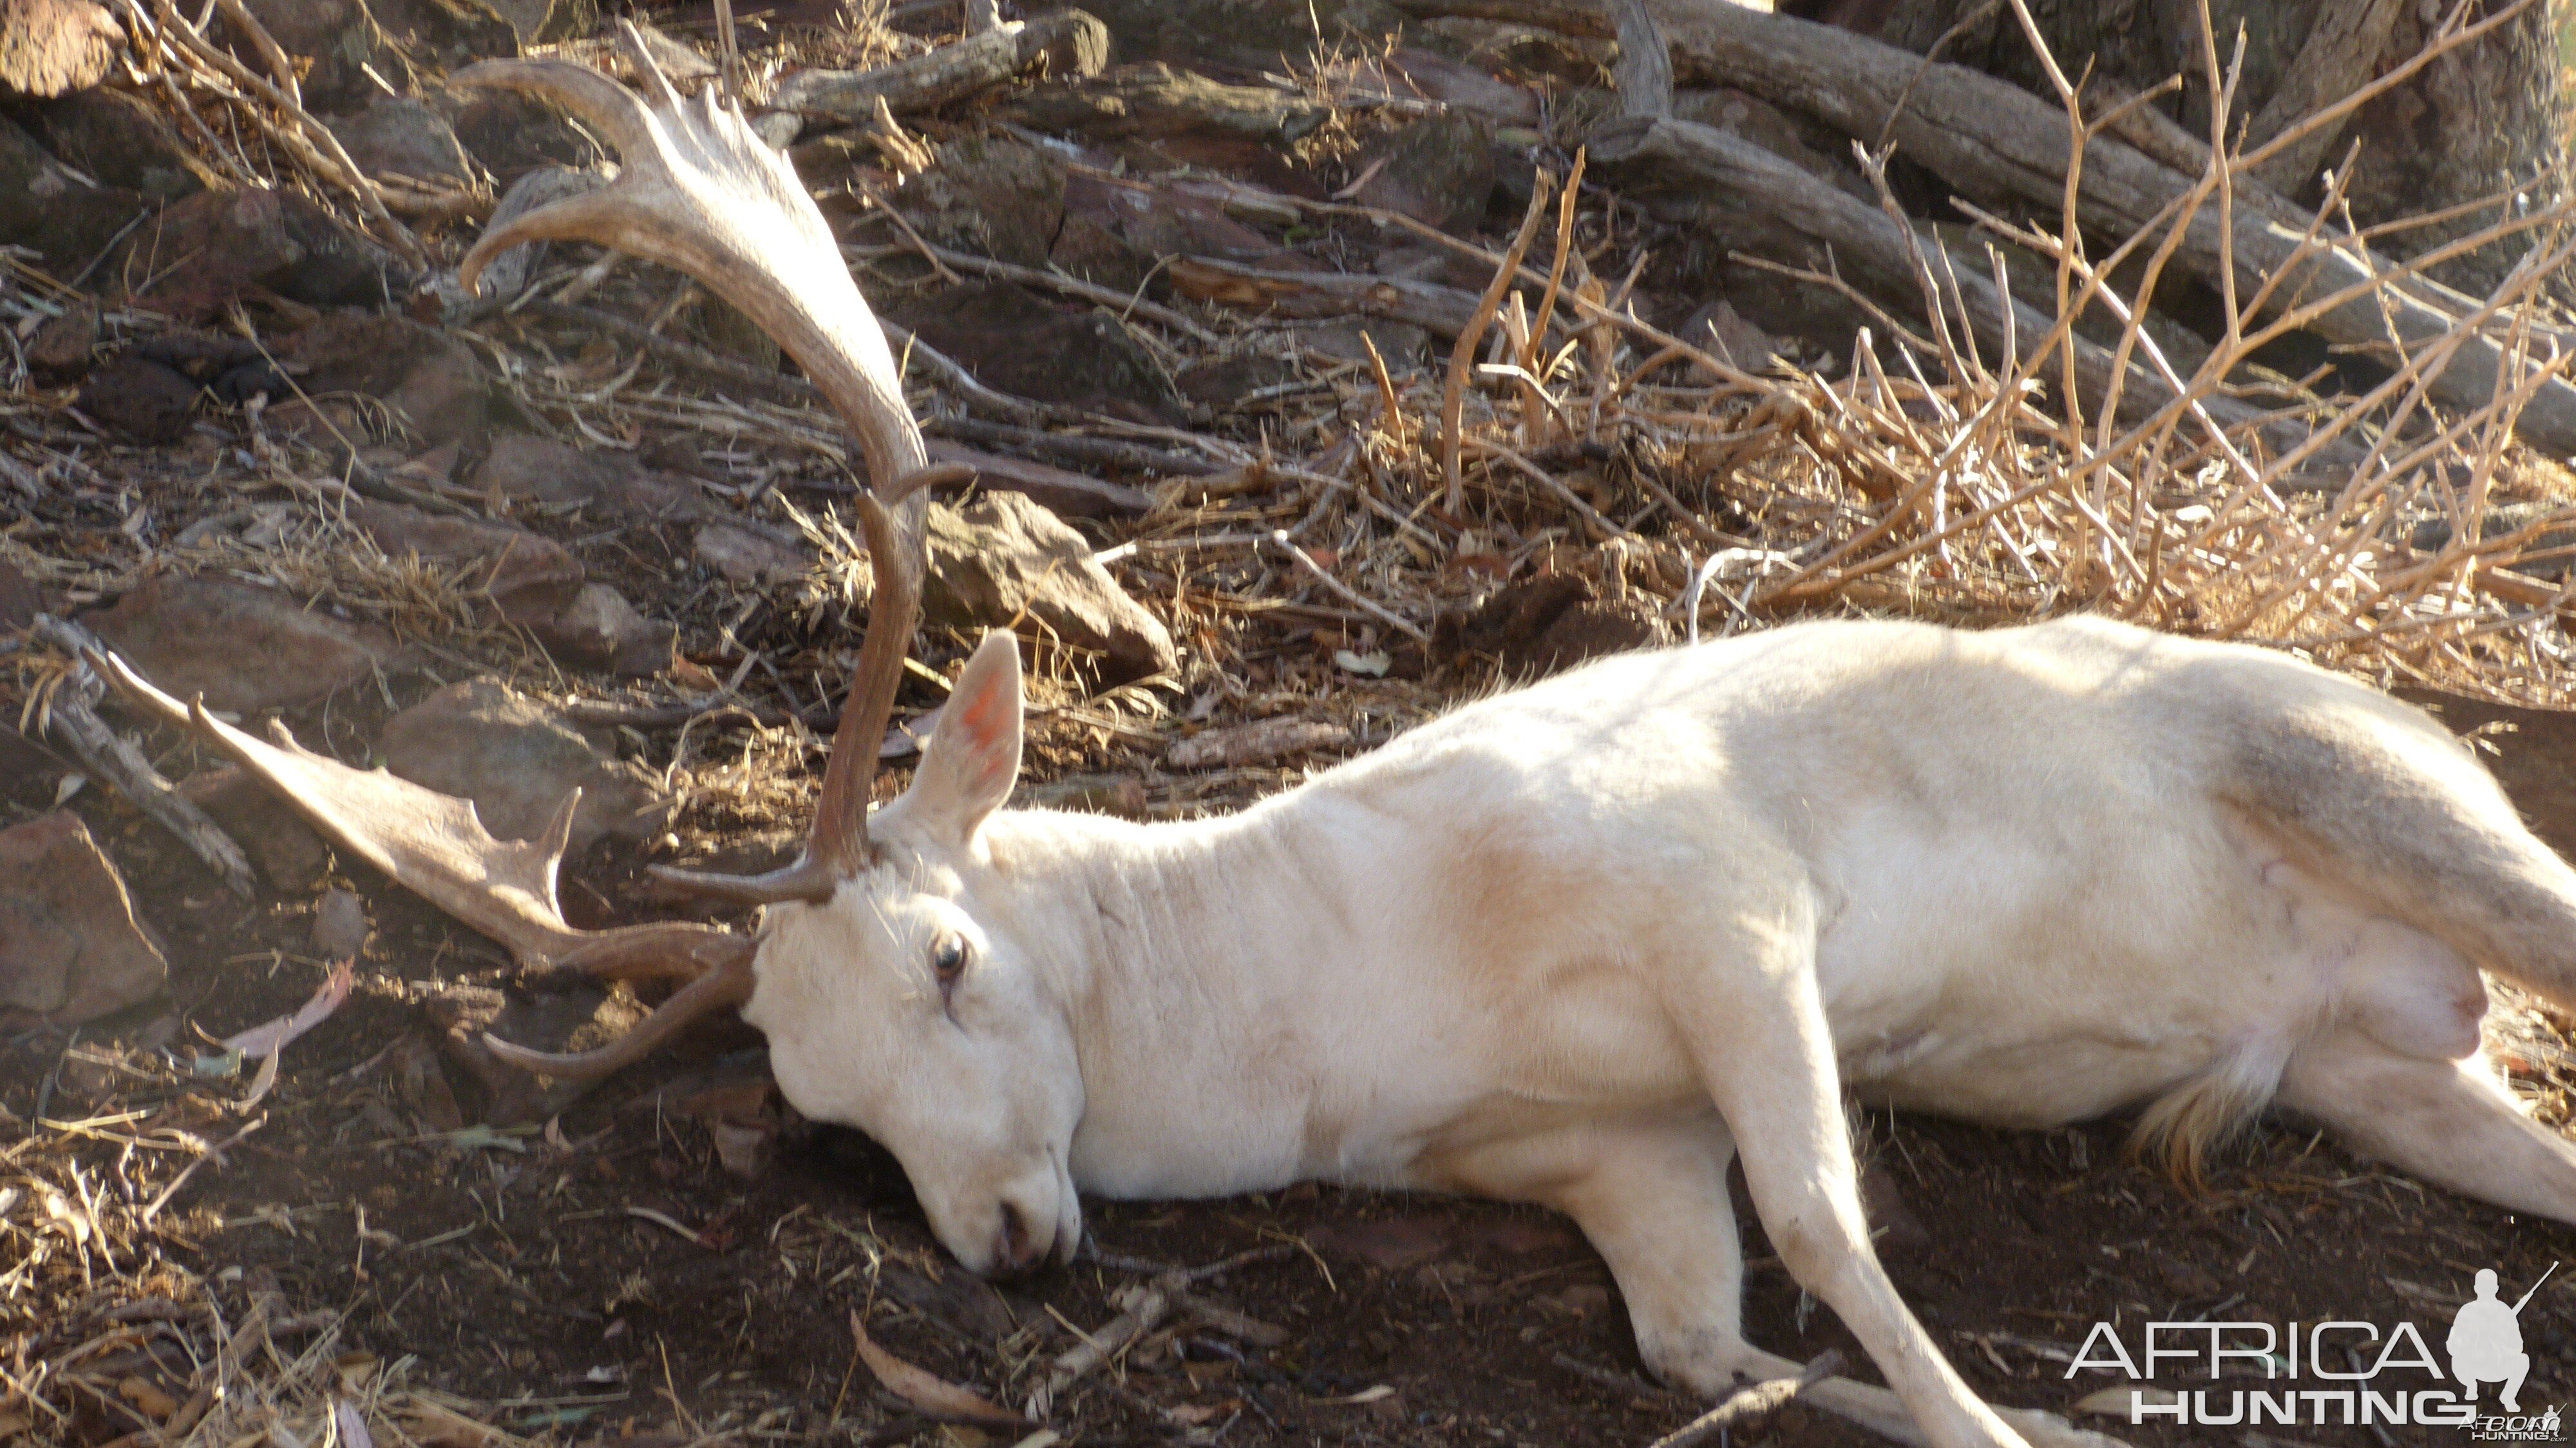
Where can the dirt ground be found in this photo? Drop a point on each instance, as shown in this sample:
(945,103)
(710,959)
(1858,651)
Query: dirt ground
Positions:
(512,1272)
(631,1271)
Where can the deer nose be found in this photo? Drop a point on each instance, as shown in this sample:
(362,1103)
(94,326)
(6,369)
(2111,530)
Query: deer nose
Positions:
(1017,1249)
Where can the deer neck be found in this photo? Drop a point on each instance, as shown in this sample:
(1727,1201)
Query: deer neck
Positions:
(1196,964)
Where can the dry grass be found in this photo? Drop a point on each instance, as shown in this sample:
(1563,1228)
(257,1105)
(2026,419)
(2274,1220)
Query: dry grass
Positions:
(1926,479)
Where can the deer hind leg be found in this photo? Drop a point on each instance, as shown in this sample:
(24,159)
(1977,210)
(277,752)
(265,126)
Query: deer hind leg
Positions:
(1654,1203)
(2453,1123)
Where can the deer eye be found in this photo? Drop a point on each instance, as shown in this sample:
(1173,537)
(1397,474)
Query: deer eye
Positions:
(948,958)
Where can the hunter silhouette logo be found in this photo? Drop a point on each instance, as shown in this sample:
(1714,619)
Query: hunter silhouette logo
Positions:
(2486,1341)
(2338,1372)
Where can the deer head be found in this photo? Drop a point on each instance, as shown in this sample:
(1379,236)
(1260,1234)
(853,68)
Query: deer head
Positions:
(887,1008)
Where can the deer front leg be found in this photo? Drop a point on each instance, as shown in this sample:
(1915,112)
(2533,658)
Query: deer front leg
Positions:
(1652,1199)
(1752,1020)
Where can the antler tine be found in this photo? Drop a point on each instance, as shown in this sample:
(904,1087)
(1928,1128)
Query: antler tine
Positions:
(838,843)
(727,985)
(657,86)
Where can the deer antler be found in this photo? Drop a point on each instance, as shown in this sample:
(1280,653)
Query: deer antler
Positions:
(436,846)
(699,192)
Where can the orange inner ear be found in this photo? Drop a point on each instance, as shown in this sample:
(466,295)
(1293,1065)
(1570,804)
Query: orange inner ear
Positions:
(983,716)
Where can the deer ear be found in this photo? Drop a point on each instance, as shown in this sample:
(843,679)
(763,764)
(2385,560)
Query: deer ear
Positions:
(973,756)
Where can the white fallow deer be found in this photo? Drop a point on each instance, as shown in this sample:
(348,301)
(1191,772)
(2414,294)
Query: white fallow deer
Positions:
(1580,944)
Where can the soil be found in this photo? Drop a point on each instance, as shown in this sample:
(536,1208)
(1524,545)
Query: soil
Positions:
(517,1276)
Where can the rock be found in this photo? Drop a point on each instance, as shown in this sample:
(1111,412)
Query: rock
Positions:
(991,195)
(20,599)
(448,34)
(1018,342)
(2188,1281)
(1717,329)
(1401,344)
(70,947)
(342,40)
(1122,795)
(517,758)
(1222,383)
(1260,742)
(62,346)
(580,1018)
(403,137)
(142,401)
(285,850)
(433,382)
(48,47)
(1439,170)
(511,134)
(1003,555)
(1114,230)
(961,1300)
(1893,1225)
(119,139)
(526,578)
(43,205)
(1541,625)
(340,927)
(246,649)
(231,242)
(413,1066)
(601,630)
(540,22)
(752,560)
(560,476)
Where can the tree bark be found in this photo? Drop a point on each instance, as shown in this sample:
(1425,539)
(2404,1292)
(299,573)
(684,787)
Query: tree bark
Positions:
(2474,123)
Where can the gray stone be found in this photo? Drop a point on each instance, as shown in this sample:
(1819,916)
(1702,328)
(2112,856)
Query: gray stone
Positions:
(752,559)
(246,649)
(403,137)
(121,141)
(1003,557)
(517,758)
(43,205)
(70,947)
(1439,170)
(340,927)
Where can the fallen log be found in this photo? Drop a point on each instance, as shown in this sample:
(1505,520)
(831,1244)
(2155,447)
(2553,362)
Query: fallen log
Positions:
(1998,143)
(1656,152)
(2002,145)
(1069,42)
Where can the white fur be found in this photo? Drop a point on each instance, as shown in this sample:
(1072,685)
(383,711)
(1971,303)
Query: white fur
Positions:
(1577,943)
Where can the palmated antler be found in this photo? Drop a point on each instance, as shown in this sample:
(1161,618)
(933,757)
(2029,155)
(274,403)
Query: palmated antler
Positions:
(435,846)
(700,192)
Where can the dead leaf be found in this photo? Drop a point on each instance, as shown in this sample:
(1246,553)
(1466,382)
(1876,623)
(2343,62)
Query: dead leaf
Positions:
(268,1039)
(924,1390)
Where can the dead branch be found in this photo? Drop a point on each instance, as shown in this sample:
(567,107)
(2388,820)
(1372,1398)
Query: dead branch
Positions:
(1068,42)
(71,717)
